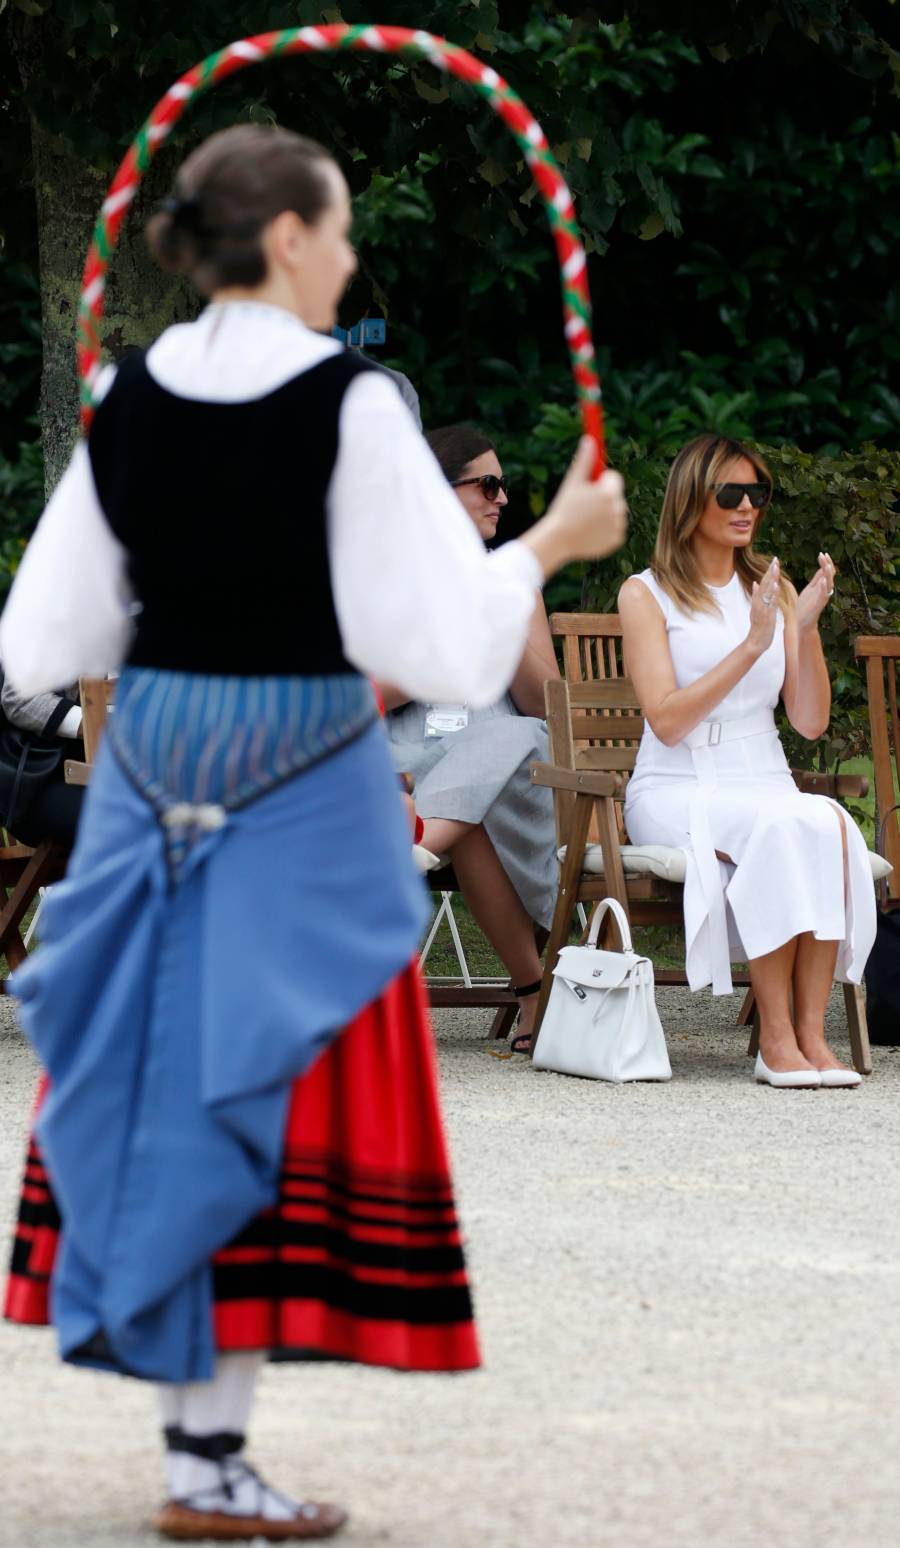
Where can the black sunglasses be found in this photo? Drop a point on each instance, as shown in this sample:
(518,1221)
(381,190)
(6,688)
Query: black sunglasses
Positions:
(489,484)
(729,496)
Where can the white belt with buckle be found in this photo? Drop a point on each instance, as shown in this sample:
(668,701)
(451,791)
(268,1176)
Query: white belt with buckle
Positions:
(701,741)
(712,733)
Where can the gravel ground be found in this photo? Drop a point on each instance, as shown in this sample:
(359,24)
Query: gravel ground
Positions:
(687,1296)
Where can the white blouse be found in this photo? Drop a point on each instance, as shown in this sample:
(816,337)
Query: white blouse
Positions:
(419,602)
(697,643)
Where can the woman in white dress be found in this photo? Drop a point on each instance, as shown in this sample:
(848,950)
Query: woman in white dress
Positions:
(713,636)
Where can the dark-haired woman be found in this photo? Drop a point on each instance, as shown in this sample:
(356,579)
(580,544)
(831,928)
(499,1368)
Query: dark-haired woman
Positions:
(714,635)
(471,765)
(241,1132)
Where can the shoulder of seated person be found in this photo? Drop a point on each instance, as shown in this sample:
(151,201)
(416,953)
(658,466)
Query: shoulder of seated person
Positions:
(635,590)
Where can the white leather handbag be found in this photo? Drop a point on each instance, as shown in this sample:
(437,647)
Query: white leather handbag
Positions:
(601,1018)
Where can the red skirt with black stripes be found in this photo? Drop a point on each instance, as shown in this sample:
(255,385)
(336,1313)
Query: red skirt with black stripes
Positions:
(360,1258)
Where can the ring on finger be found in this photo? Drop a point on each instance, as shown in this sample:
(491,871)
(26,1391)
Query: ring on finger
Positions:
(767,601)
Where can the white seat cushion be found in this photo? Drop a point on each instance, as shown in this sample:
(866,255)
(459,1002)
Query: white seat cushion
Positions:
(669,864)
(424,860)
(637,860)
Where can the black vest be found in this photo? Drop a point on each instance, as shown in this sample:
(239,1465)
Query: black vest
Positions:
(222,509)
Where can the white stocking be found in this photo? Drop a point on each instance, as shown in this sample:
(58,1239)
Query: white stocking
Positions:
(223,1404)
(219,1408)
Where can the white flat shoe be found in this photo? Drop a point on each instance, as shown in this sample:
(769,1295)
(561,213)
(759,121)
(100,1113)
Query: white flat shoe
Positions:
(841,1078)
(767,1077)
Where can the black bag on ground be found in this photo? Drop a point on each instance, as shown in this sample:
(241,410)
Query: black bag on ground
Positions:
(883,980)
(27,762)
(883,967)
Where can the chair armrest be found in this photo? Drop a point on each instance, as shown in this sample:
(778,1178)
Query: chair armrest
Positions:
(582,782)
(77,773)
(834,785)
(854,785)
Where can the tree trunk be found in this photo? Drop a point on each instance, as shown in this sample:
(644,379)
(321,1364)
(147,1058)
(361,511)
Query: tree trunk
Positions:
(140,299)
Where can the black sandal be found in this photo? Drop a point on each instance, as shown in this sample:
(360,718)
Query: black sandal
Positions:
(201,1516)
(522,1043)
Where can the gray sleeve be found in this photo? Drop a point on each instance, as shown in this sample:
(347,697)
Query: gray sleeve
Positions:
(404,386)
(408,394)
(33,714)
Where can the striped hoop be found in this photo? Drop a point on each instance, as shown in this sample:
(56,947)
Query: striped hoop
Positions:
(444,56)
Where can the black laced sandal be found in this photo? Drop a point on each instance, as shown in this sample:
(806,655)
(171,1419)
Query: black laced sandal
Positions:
(199,1516)
(521,1044)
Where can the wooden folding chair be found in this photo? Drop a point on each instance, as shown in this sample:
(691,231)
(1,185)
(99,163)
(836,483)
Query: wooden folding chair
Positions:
(96,694)
(23,873)
(26,871)
(595,726)
(881,654)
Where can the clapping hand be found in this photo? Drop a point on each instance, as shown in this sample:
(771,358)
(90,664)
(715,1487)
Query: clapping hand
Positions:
(764,608)
(814,597)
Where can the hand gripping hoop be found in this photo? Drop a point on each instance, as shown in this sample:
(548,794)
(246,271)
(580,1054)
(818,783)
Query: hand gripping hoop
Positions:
(384,40)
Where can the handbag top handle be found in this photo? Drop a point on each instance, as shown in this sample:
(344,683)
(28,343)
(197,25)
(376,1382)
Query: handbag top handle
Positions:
(621,918)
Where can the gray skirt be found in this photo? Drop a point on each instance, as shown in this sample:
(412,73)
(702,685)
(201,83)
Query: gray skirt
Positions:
(481,775)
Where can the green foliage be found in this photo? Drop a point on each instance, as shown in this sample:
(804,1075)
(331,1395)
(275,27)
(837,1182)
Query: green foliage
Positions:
(20,345)
(21,498)
(20,305)
(734,28)
(736,176)
(21,462)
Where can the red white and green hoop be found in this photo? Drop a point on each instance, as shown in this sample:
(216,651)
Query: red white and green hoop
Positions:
(383,40)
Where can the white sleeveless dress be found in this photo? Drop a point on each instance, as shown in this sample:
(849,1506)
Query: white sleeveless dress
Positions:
(727,787)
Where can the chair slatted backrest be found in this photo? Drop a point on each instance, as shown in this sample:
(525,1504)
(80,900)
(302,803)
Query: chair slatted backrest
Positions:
(593,718)
(881,654)
(591,645)
(96,694)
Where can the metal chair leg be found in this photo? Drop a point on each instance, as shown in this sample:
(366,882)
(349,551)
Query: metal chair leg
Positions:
(35,917)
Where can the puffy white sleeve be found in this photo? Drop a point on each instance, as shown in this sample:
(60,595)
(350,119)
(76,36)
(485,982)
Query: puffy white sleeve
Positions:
(419,601)
(68,614)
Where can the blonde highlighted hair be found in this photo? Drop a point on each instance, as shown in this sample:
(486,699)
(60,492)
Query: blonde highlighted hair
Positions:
(692,477)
